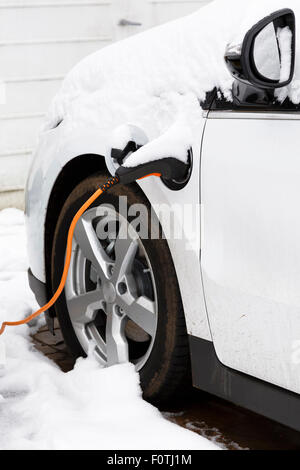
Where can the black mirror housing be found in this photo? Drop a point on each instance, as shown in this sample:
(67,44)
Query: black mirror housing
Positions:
(240,59)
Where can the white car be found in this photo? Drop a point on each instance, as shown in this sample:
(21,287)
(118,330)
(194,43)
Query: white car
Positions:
(221,306)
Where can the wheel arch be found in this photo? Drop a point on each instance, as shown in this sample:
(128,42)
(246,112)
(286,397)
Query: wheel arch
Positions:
(68,169)
(71,174)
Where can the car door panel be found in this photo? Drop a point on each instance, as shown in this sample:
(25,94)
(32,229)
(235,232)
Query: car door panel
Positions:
(250,251)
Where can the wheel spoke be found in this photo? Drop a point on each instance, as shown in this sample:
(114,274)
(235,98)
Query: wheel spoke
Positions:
(121,288)
(91,246)
(126,247)
(96,345)
(142,312)
(84,306)
(116,343)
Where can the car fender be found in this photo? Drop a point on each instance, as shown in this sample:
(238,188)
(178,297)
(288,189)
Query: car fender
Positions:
(54,151)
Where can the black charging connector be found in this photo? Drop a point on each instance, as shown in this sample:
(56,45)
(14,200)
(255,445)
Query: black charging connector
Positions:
(169,168)
(119,155)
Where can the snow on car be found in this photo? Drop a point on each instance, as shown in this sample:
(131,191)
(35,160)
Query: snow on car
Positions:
(159,76)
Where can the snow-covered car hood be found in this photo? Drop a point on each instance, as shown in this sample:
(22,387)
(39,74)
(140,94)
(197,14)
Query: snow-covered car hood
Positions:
(156,79)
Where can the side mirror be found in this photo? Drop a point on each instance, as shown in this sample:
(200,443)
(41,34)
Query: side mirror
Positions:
(266,59)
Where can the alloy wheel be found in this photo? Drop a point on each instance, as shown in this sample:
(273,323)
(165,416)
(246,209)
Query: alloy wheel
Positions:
(110,290)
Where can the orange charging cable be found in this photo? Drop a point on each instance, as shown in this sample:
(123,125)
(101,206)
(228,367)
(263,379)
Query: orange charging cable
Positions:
(111,182)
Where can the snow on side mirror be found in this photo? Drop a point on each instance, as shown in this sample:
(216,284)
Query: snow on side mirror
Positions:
(266,59)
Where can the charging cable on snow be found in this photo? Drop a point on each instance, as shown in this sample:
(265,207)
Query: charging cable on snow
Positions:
(64,276)
(169,168)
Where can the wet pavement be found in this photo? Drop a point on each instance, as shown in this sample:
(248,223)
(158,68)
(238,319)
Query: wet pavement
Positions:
(227,425)
(232,427)
(53,347)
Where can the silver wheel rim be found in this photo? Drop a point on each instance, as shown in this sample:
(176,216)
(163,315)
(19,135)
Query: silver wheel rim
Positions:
(110,289)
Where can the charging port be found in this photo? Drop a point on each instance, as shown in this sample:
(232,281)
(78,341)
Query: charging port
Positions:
(180,183)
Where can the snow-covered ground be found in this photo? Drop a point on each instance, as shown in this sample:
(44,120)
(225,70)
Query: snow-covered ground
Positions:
(87,408)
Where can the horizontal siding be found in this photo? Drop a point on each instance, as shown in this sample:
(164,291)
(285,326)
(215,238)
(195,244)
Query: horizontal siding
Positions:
(50,3)
(48,23)
(13,171)
(29,59)
(30,96)
(40,41)
(63,32)
(13,198)
(19,132)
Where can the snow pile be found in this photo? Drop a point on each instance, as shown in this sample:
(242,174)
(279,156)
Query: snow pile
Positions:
(87,408)
(267,56)
(155,79)
(285,46)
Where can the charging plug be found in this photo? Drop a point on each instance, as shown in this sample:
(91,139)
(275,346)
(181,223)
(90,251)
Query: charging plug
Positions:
(169,168)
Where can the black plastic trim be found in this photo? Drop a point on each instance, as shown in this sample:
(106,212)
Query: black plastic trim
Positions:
(40,292)
(211,376)
(179,183)
(242,64)
(169,168)
(118,155)
(247,98)
(247,56)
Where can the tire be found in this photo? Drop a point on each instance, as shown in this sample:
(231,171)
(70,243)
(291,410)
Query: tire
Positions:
(166,372)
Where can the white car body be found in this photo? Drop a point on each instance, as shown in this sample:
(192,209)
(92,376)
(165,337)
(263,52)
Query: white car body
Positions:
(239,278)
(53,154)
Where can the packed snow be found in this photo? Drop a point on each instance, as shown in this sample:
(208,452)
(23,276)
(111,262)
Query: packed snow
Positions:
(87,408)
(285,46)
(155,80)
